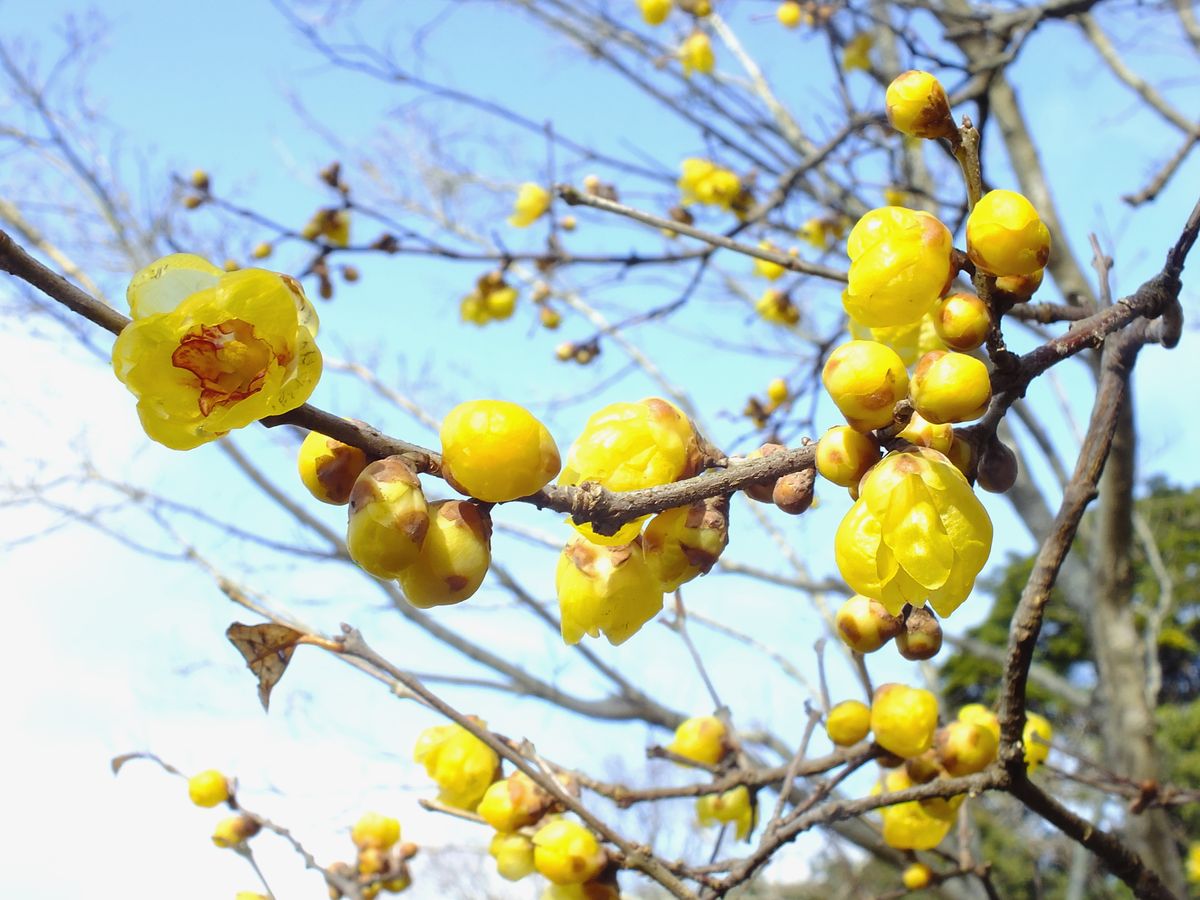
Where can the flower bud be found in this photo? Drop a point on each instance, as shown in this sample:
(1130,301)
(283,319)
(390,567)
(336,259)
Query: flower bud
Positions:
(199,180)
(234,830)
(261,250)
(844,455)
(916,876)
(375,830)
(922,433)
(501,303)
(763,490)
(950,387)
(964,748)
(978,714)
(371,861)
(777,391)
(454,558)
(962,455)
(1005,235)
(848,723)
(497,451)
(696,54)
(790,14)
(865,380)
(567,853)
(793,493)
(1036,737)
(388,518)
(864,625)
(702,739)
(329,468)
(609,589)
(777,307)
(685,542)
(917,106)
(209,788)
(922,635)
(514,802)
(924,768)
(903,719)
(530,205)
(997,469)
(963,321)
(1020,287)
(513,854)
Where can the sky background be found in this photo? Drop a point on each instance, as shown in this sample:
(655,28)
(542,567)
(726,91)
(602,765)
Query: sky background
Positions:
(112,650)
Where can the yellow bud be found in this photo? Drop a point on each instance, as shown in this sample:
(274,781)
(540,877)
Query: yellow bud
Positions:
(865,380)
(921,637)
(375,830)
(864,625)
(703,181)
(513,854)
(514,802)
(790,14)
(777,307)
(924,433)
(702,739)
(962,321)
(848,723)
(765,268)
(261,250)
(654,12)
(388,518)
(844,455)
(950,387)
(501,303)
(964,748)
(857,52)
(978,714)
(497,451)
(199,180)
(329,468)
(1036,737)
(903,719)
(917,106)
(777,391)
(209,788)
(454,557)
(917,876)
(234,830)
(683,543)
(604,588)
(567,853)
(1020,287)
(1005,235)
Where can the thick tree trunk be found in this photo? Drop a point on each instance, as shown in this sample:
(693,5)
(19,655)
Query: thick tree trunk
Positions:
(1128,719)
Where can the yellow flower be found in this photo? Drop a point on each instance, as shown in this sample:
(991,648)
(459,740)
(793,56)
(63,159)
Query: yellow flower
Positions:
(903,719)
(866,380)
(654,12)
(454,556)
(910,826)
(857,52)
(329,468)
(234,830)
(462,765)
(899,266)
(628,446)
(790,14)
(1005,236)
(949,387)
(331,224)
(696,54)
(894,196)
(531,204)
(703,181)
(496,451)
(1193,863)
(609,589)
(683,543)
(916,876)
(978,714)
(848,723)
(916,533)
(375,830)
(514,802)
(735,805)
(209,351)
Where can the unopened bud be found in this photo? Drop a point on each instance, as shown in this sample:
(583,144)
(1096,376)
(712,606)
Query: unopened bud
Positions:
(865,625)
(997,471)
(793,493)
(763,490)
(922,635)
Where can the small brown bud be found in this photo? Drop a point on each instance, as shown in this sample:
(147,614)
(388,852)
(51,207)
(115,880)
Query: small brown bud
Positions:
(793,493)
(922,635)
(191,201)
(997,471)
(763,490)
(924,768)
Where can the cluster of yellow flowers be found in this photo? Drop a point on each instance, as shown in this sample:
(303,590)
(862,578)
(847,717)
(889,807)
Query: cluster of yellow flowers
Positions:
(705,740)
(904,722)
(492,300)
(531,834)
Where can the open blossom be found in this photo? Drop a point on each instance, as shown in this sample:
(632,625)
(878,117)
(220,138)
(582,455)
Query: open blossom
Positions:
(703,181)
(531,204)
(209,351)
(917,533)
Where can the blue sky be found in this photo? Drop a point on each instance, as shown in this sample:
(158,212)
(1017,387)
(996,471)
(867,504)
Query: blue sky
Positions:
(129,649)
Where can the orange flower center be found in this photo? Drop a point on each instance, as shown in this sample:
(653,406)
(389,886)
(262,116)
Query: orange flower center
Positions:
(229,362)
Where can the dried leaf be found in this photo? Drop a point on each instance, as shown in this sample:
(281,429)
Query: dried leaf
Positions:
(268,649)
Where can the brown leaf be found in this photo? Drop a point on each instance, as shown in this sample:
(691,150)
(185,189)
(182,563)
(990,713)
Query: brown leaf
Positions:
(268,649)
